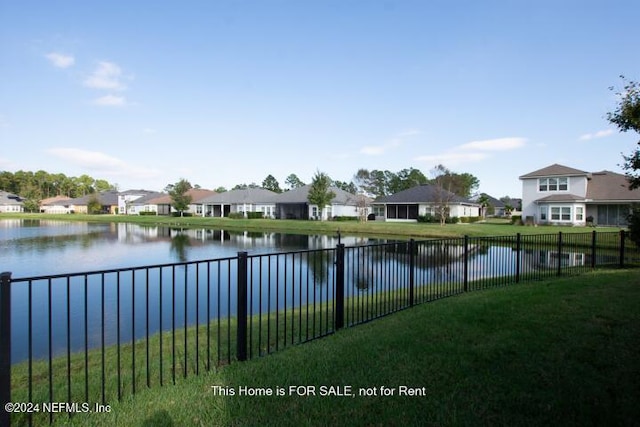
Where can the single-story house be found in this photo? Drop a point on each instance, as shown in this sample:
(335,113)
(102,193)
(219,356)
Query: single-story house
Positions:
(55,205)
(10,202)
(563,195)
(294,204)
(147,203)
(421,200)
(108,201)
(238,201)
(162,204)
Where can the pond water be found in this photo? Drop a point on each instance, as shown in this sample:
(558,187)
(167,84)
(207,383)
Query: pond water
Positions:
(127,304)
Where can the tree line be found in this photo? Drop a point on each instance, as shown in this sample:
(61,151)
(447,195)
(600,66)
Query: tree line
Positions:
(35,186)
(377,183)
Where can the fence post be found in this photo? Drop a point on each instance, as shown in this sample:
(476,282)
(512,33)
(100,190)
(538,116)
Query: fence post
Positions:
(465,278)
(622,239)
(242,307)
(412,264)
(593,249)
(339,315)
(5,346)
(559,253)
(518,248)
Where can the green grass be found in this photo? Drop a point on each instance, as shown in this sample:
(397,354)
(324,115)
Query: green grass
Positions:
(372,228)
(553,352)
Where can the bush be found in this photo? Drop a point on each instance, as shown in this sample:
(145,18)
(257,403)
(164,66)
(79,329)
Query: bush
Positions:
(236,215)
(516,219)
(345,218)
(428,218)
(634,225)
(451,220)
(148,213)
(177,214)
(254,215)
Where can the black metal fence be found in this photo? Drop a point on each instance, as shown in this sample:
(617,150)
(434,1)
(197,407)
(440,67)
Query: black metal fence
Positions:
(93,337)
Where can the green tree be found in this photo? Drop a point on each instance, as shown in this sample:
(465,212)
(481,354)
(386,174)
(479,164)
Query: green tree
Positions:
(349,187)
(320,193)
(272,184)
(293,181)
(626,117)
(180,200)
(93,205)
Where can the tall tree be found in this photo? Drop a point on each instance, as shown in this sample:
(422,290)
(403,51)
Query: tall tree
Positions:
(272,184)
(180,200)
(320,193)
(444,195)
(626,117)
(293,181)
(349,187)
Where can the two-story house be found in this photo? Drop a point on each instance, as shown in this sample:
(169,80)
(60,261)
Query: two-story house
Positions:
(562,195)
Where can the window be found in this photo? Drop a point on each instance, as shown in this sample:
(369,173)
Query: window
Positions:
(561,213)
(314,212)
(543,213)
(553,184)
(579,213)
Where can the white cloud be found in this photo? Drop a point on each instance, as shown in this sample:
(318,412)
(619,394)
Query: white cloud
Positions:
(103,163)
(499,144)
(110,101)
(453,158)
(107,75)
(60,60)
(474,151)
(599,134)
(396,141)
(86,158)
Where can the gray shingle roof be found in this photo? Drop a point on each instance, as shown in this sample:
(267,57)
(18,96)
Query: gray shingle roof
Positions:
(555,170)
(106,198)
(560,198)
(9,199)
(425,193)
(608,185)
(247,195)
(301,195)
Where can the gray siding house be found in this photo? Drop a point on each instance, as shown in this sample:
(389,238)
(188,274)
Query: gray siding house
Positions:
(239,201)
(294,204)
(10,202)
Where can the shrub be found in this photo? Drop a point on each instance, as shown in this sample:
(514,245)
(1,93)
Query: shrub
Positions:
(236,215)
(345,218)
(428,218)
(254,215)
(451,220)
(177,214)
(516,219)
(148,213)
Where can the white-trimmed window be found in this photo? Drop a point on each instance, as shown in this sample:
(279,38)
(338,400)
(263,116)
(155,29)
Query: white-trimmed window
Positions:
(579,213)
(553,184)
(561,213)
(314,211)
(543,213)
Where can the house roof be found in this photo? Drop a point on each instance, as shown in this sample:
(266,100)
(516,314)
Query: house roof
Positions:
(197,194)
(496,203)
(57,200)
(106,198)
(606,185)
(9,199)
(147,199)
(425,193)
(301,195)
(560,198)
(246,195)
(555,170)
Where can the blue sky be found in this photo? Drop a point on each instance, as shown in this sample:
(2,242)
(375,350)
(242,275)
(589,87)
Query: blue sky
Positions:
(226,92)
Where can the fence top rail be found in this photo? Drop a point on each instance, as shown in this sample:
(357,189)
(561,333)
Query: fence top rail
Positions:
(232,258)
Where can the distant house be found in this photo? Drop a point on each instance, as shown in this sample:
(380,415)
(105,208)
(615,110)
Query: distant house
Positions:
(494,207)
(56,205)
(162,204)
(422,200)
(147,203)
(294,204)
(238,201)
(108,201)
(126,199)
(563,195)
(10,203)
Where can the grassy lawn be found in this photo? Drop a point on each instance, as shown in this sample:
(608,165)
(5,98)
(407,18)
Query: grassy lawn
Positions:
(372,228)
(553,352)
